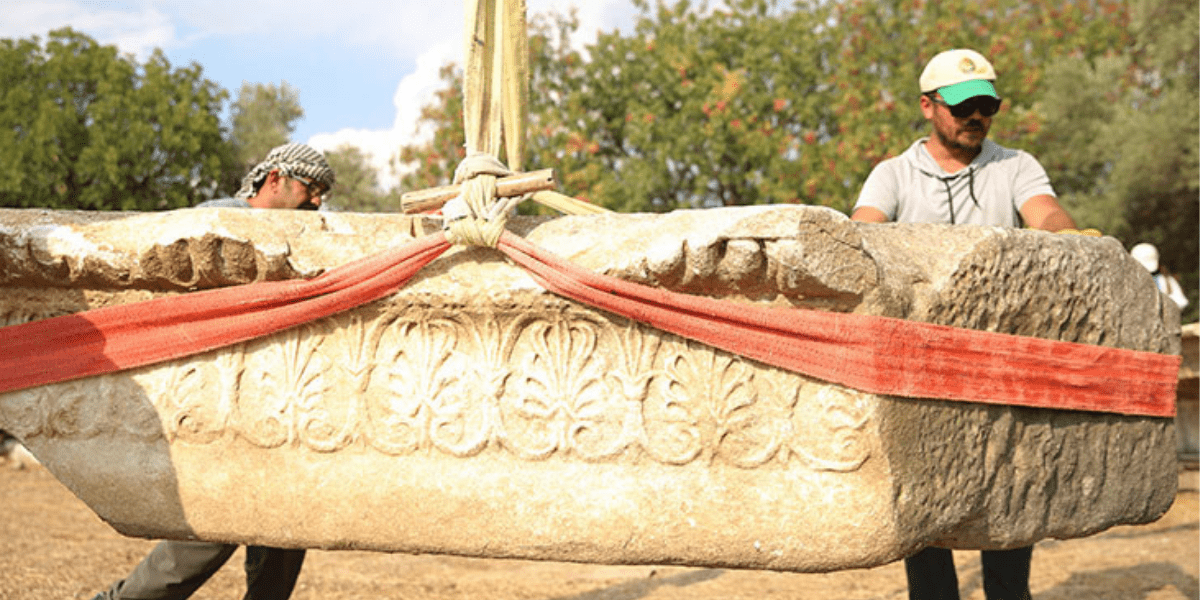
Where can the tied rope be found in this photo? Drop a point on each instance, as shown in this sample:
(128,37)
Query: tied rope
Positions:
(495,95)
(478,216)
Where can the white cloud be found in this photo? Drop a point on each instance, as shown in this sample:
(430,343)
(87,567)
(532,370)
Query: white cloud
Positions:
(401,29)
(415,91)
(138,31)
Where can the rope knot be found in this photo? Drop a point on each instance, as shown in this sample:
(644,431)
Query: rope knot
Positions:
(478,215)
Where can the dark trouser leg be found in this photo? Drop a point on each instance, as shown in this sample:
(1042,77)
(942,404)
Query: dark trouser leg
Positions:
(1006,573)
(172,571)
(271,572)
(931,575)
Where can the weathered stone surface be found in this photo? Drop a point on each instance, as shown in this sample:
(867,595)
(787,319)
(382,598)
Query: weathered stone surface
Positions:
(473,413)
(1187,417)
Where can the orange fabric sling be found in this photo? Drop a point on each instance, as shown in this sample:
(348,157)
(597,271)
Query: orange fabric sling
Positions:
(883,355)
(121,337)
(874,354)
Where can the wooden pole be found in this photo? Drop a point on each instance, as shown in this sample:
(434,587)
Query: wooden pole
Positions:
(512,185)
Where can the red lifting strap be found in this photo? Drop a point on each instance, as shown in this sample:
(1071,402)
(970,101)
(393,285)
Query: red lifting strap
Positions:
(883,355)
(126,336)
(879,355)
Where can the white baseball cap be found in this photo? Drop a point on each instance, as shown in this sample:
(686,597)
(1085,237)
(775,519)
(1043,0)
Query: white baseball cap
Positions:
(1146,254)
(958,75)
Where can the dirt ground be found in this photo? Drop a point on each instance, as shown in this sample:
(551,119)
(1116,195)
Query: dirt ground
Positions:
(53,547)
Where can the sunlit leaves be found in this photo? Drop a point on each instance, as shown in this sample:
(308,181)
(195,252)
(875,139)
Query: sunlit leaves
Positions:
(85,128)
(357,188)
(263,117)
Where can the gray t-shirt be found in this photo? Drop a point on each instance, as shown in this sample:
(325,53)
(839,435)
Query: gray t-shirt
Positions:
(913,188)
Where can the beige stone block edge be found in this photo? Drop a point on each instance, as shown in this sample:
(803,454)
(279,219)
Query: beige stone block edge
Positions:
(474,414)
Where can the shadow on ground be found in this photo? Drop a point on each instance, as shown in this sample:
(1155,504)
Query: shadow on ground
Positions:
(633,590)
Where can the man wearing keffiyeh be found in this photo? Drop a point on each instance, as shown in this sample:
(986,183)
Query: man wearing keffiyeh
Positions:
(284,166)
(293,176)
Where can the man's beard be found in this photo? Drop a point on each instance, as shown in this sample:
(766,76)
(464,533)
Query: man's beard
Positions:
(952,141)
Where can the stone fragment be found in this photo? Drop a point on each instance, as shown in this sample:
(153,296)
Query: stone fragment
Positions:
(473,413)
(1187,417)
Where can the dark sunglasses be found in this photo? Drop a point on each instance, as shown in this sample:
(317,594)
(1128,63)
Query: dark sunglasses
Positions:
(986,105)
(315,188)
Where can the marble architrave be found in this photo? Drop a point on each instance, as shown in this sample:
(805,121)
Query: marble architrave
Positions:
(473,413)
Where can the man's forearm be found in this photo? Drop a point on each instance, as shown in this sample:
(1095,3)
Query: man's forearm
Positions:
(1044,212)
(1056,221)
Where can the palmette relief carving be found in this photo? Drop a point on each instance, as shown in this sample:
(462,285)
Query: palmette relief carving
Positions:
(421,382)
(196,397)
(282,386)
(710,408)
(830,435)
(24,413)
(552,383)
(560,402)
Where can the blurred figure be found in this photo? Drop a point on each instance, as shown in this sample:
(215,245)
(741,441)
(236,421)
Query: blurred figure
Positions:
(293,176)
(14,452)
(1147,254)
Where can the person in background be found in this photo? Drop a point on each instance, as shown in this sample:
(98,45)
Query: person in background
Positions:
(1147,254)
(293,176)
(957,175)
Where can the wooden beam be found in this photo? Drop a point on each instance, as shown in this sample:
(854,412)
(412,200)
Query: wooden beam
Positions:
(512,185)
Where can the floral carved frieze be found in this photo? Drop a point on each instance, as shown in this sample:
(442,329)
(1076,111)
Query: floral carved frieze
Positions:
(554,382)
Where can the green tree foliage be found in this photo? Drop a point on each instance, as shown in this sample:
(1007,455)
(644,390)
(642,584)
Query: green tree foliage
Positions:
(433,161)
(82,127)
(688,112)
(554,141)
(263,117)
(357,188)
(1122,134)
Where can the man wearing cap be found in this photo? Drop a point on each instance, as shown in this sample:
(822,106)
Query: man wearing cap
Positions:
(956,175)
(293,176)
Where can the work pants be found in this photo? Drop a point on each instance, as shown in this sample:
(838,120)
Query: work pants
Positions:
(931,574)
(174,570)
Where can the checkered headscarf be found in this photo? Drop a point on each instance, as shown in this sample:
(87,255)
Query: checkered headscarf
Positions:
(290,159)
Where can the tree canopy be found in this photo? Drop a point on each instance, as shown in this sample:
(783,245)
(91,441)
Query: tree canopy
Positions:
(1122,135)
(357,188)
(263,117)
(83,127)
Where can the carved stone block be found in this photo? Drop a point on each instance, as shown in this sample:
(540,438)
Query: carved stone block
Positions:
(473,413)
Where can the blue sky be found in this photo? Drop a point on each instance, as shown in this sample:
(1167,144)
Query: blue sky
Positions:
(363,69)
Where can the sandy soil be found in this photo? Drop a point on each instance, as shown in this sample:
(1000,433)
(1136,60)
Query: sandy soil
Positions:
(53,547)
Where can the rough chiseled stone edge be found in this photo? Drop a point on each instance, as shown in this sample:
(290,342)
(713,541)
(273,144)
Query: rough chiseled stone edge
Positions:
(198,249)
(1014,475)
